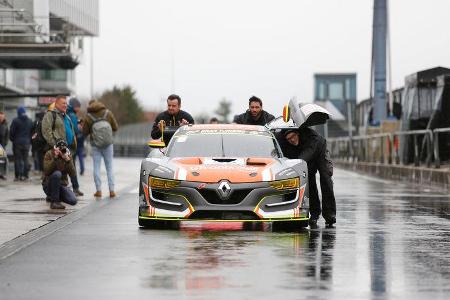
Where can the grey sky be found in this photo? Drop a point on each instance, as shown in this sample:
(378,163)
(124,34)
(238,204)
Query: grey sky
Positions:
(239,48)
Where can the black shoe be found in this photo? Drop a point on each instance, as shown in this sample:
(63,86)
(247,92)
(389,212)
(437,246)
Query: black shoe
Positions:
(2,177)
(77,192)
(330,221)
(57,205)
(313,223)
(48,199)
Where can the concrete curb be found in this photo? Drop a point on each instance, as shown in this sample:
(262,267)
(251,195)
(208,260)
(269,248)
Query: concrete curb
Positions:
(419,175)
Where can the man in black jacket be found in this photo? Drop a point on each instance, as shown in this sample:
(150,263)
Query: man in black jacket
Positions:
(173,116)
(20,135)
(255,115)
(308,145)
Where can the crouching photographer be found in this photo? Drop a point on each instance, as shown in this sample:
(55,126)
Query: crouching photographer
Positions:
(57,165)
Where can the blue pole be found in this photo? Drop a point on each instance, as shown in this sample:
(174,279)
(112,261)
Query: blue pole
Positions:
(379,61)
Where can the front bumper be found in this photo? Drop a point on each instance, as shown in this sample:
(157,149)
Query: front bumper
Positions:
(194,201)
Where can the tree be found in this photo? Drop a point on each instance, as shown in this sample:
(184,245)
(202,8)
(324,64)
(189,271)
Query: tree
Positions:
(224,110)
(202,118)
(124,104)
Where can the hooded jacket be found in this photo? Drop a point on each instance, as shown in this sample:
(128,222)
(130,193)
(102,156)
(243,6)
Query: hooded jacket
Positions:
(97,109)
(20,130)
(246,118)
(53,163)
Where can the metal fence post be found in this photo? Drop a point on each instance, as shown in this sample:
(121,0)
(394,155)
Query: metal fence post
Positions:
(416,151)
(429,137)
(437,159)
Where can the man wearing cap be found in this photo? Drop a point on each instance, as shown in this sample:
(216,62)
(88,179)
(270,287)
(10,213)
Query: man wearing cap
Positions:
(57,165)
(255,115)
(20,135)
(307,144)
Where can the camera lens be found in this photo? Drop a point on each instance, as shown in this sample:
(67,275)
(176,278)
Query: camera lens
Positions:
(63,150)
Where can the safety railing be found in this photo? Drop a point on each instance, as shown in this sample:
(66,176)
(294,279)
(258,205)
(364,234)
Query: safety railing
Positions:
(386,147)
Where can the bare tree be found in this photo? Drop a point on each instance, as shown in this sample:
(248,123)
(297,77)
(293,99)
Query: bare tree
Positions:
(224,110)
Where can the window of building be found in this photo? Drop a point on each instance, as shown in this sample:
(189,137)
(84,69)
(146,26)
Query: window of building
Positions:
(336,90)
(56,75)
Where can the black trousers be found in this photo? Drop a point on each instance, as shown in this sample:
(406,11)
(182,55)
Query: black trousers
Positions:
(21,166)
(324,166)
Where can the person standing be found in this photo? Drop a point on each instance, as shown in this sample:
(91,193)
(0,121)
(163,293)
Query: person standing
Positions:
(72,110)
(4,134)
(307,144)
(20,136)
(57,125)
(4,131)
(255,115)
(173,116)
(100,124)
(37,149)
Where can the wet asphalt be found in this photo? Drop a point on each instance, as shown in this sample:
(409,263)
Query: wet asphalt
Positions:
(392,241)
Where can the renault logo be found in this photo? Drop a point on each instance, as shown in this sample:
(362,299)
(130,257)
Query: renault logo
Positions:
(224,189)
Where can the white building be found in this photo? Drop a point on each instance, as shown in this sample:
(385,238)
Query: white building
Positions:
(41,43)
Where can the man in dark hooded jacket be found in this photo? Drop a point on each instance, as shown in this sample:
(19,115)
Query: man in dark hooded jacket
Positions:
(20,135)
(255,115)
(307,144)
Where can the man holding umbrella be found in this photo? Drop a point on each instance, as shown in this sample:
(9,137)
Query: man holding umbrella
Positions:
(305,143)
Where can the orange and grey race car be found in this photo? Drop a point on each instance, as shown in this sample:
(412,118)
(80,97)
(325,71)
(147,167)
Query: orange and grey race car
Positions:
(222,173)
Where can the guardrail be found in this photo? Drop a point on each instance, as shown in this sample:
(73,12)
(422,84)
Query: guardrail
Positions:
(385,147)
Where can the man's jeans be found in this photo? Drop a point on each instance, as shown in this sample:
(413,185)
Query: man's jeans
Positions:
(107,154)
(58,192)
(74,179)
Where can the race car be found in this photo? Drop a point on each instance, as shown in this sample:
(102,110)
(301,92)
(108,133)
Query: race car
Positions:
(222,173)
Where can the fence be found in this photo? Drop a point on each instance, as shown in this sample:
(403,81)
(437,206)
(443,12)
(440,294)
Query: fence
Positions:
(386,147)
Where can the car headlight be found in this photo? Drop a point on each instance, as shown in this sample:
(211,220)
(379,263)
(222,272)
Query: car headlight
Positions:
(286,184)
(161,183)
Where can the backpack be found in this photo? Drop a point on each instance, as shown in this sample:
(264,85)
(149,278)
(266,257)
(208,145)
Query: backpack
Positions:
(38,142)
(101,132)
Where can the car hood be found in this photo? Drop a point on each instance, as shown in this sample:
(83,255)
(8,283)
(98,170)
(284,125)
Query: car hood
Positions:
(235,170)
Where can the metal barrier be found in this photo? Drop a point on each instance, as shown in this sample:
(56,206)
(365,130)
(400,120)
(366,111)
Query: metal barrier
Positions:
(131,140)
(384,147)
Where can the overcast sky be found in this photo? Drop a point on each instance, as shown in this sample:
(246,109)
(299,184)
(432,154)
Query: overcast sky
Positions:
(238,48)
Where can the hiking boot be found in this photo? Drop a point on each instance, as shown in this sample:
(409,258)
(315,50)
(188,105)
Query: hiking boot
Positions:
(112,194)
(77,192)
(57,205)
(313,223)
(330,221)
(98,194)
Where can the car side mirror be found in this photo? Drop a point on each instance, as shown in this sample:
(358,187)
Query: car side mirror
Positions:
(156,144)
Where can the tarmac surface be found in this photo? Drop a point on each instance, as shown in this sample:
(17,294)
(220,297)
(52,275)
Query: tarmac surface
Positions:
(391,241)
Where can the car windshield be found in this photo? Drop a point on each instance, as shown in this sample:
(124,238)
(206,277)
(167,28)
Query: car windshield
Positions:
(223,144)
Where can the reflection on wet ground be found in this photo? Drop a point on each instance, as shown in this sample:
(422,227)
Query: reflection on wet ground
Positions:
(391,241)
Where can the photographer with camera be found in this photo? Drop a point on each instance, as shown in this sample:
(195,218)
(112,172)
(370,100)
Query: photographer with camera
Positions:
(57,165)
